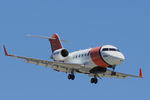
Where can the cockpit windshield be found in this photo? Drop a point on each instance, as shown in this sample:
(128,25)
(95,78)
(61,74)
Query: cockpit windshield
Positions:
(110,49)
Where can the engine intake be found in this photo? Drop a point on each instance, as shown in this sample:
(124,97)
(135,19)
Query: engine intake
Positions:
(60,54)
(64,53)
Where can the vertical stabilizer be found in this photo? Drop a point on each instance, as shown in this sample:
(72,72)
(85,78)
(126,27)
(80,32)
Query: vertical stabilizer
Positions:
(55,42)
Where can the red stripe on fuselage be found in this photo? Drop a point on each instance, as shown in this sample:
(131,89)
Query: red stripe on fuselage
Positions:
(97,58)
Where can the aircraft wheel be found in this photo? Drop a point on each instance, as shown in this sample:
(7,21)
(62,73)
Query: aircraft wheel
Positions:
(71,76)
(94,80)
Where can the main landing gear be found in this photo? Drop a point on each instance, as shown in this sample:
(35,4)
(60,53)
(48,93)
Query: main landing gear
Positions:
(71,76)
(94,80)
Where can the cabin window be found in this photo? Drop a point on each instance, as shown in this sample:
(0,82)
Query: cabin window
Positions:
(88,53)
(110,49)
(105,49)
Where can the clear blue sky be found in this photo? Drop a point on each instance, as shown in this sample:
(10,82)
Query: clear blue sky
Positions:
(86,23)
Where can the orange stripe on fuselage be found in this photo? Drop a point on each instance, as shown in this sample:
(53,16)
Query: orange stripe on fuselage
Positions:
(96,57)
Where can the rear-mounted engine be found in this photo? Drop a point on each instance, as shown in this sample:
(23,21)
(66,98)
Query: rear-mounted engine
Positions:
(60,54)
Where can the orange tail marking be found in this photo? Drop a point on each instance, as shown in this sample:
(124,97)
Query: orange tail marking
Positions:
(55,43)
(141,74)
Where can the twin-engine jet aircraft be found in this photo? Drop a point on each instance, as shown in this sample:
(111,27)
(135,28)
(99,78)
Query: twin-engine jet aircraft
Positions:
(94,61)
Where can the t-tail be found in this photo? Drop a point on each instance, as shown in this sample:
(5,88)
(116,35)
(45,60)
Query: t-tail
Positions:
(55,42)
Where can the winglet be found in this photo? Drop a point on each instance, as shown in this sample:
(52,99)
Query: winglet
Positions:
(140,73)
(6,54)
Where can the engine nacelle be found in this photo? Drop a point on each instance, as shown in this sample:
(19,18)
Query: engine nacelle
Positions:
(60,54)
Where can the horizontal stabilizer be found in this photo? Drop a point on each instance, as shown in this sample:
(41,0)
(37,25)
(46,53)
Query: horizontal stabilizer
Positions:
(39,36)
(44,37)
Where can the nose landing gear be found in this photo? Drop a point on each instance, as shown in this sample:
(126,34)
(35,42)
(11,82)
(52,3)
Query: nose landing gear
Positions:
(113,73)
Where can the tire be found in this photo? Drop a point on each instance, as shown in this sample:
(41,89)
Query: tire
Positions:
(95,80)
(92,80)
(72,77)
(69,76)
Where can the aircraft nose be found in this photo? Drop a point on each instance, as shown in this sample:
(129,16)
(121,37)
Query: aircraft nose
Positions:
(120,57)
(113,58)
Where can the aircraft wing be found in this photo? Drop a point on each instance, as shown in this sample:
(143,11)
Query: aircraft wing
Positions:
(118,75)
(58,66)
(68,67)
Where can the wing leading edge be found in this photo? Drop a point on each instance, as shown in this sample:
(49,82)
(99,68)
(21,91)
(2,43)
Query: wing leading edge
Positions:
(68,67)
(59,66)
